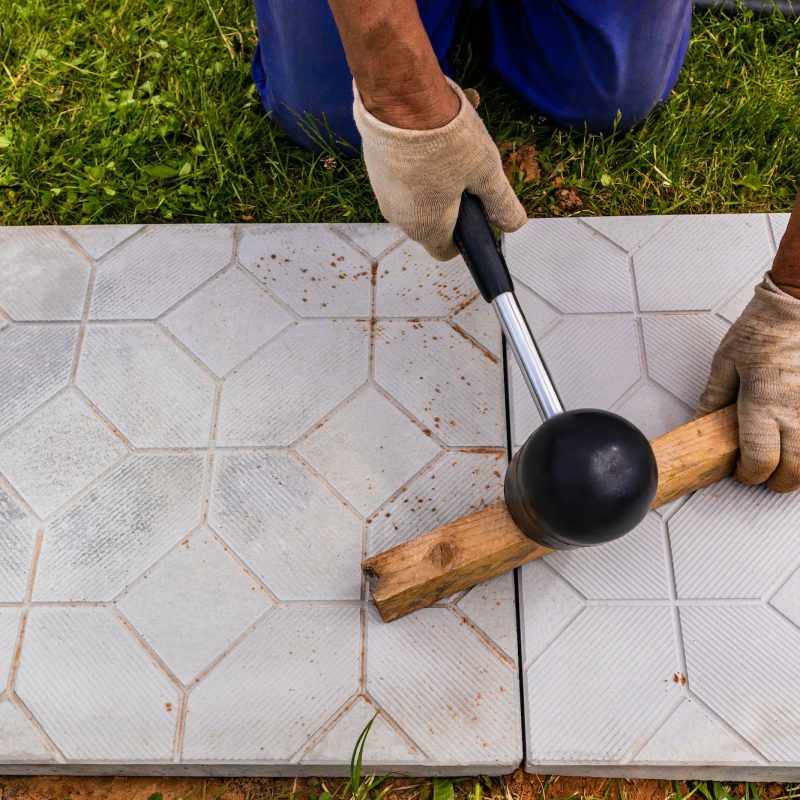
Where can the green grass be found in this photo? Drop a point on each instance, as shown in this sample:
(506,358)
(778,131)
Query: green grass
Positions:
(139,110)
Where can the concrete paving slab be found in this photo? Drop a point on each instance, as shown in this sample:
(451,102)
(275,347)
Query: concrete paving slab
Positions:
(672,652)
(203,430)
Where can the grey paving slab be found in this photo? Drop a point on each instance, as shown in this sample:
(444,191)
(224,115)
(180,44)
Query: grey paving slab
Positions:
(654,655)
(203,430)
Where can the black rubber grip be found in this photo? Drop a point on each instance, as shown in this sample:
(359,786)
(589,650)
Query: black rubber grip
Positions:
(475,239)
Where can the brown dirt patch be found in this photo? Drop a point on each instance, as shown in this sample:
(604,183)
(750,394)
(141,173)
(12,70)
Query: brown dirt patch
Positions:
(520,162)
(517,786)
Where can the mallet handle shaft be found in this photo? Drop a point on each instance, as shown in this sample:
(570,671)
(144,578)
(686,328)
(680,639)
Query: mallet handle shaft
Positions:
(480,546)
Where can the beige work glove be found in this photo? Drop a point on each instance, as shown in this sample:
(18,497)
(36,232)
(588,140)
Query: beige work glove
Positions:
(759,360)
(419,176)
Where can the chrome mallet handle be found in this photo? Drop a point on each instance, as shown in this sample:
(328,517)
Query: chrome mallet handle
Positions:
(475,239)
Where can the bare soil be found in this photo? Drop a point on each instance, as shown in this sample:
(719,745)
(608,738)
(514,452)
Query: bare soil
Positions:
(517,786)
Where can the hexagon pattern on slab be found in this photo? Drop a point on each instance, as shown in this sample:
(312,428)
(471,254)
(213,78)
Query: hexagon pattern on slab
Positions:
(144,277)
(25,744)
(56,452)
(147,386)
(314,271)
(17,537)
(227,320)
(692,264)
(9,625)
(42,275)
(200,573)
(191,476)
(386,449)
(94,689)
(199,601)
(571,266)
(645,656)
(97,240)
(36,363)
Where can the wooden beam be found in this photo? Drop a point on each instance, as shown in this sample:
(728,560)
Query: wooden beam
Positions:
(487,543)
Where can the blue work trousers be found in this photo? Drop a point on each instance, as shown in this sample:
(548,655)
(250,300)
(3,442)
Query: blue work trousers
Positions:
(580,63)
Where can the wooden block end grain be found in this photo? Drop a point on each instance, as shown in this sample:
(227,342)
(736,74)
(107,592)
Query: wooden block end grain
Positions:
(447,560)
(487,543)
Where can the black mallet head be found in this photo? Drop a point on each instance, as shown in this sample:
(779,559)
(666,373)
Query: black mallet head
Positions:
(583,477)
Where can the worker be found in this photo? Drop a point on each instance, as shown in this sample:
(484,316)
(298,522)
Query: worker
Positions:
(372,72)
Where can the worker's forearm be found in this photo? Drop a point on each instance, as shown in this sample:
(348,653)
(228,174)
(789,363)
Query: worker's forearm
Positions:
(393,63)
(786,267)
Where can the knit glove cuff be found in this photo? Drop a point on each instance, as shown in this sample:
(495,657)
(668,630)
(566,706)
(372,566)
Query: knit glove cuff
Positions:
(419,175)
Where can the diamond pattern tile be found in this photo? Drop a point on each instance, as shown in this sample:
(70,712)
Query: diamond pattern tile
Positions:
(196,572)
(692,264)
(56,452)
(97,240)
(386,744)
(264,505)
(147,275)
(254,408)
(711,742)
(17,536)
(36,363)
(632,567)
(581,352)
(25,744)
(449,693)
(455,484)
(490,606)
(226,321)
(478,320)
(632,657)
(311,656)
(150,501)
(654,410)
(410,283)
(190,478)
(43,276)
(445,381)
(571,266)
(147,386)
(679,349)
(198,601)
(373,238)
(9,625)
(95,690)
(712,531)
(767,714)
(309,267)
(387,449)
(645,656)
(556,607)
(630,233)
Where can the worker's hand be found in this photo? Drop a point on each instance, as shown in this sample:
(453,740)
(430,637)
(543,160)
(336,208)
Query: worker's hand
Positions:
(758,361)
(419,175)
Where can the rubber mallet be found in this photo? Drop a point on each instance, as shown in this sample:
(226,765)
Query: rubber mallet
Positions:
(582,478)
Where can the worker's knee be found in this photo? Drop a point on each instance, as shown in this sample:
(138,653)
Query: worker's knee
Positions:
(613,105)
(599,65)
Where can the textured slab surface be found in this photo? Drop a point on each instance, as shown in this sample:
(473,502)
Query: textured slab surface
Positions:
(656,654)
(203,430)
